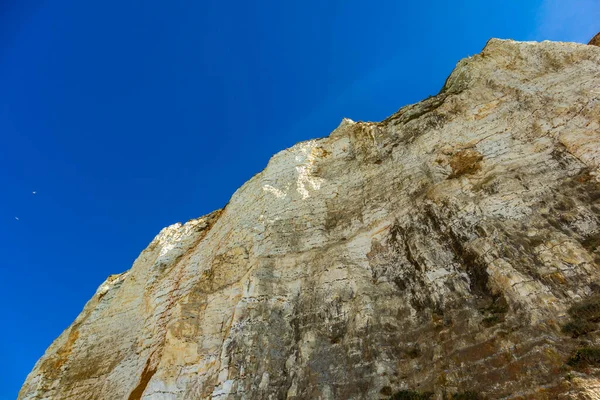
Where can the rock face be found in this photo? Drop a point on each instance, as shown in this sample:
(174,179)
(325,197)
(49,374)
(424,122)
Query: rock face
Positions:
(449,250)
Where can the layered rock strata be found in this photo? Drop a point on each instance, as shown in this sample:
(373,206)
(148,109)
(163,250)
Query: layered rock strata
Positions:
(449,250)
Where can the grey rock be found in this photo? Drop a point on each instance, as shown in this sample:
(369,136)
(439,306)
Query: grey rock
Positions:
(451,249)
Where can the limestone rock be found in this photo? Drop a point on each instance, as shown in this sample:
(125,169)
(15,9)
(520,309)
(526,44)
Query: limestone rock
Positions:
(449,249)
(595,40)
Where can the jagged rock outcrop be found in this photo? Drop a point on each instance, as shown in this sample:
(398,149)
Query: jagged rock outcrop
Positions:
(449,249)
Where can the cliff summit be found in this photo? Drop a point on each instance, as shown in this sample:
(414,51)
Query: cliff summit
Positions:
(450,250)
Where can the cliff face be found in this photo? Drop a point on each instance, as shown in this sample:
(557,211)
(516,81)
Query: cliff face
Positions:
(452,248)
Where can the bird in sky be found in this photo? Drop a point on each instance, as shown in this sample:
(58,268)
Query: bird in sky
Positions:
(34,192)
(17,218)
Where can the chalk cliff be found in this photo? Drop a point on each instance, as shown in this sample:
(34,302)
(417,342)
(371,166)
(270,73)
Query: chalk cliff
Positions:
(449,251)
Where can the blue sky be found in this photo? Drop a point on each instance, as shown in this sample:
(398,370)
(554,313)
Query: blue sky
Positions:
(128,116)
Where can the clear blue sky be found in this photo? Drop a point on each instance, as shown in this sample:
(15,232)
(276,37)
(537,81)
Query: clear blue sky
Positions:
(127,116)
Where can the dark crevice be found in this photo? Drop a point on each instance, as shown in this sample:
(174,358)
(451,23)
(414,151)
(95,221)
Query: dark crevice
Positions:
(147,374)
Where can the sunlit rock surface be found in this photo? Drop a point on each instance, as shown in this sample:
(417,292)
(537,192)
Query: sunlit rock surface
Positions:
(452,248)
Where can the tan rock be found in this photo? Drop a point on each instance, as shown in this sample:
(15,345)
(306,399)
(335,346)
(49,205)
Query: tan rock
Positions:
(440,250)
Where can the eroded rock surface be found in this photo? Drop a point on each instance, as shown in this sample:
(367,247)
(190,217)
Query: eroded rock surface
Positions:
(451,248)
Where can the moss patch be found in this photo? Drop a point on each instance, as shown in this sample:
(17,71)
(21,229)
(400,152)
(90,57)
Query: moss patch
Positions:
(411,395)
(467,396)
(585,316)
(588,309)
(494,312)
(579,327)
(585,357)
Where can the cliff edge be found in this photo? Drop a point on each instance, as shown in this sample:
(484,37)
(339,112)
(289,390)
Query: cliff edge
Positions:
(449,250)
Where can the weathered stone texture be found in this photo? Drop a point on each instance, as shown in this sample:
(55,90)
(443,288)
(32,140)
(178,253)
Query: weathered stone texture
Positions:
(451,248)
